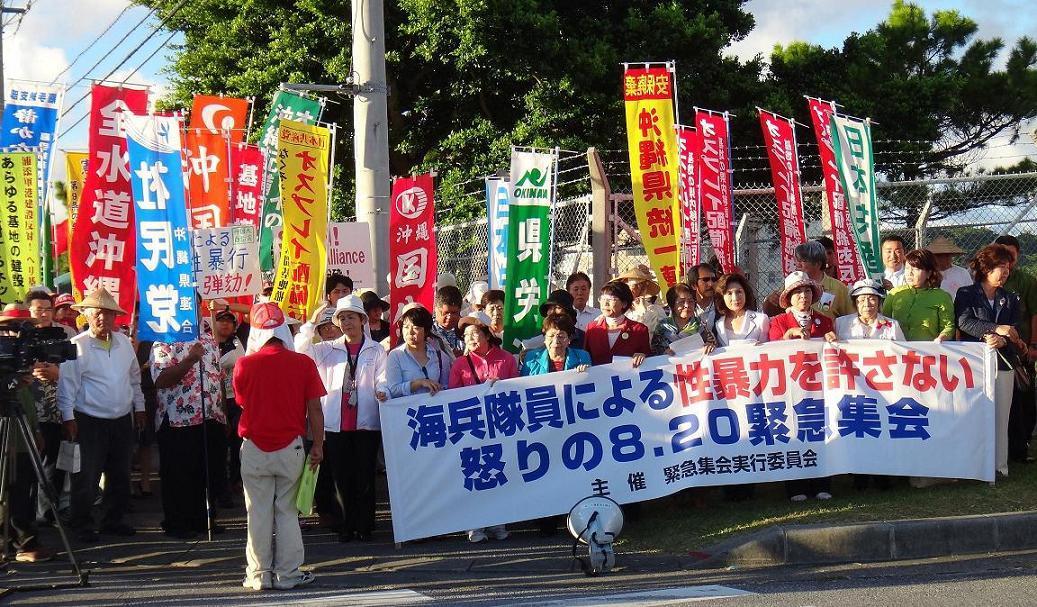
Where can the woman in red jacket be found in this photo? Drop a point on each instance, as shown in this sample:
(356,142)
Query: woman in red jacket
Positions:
(612,333)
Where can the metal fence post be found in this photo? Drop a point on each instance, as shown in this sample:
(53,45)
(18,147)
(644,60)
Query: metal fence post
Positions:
(601,209)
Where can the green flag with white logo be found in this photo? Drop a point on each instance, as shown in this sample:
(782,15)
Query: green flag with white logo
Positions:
(851,140)
(529,244)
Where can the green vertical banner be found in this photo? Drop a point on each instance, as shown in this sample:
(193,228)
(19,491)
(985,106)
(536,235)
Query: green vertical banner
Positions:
(851,140)
(529,244)
(287,106)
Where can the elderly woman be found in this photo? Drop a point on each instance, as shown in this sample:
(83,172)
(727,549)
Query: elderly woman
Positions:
(681,323)
(613,334)
(643,289)
(738,322)
(987,312)
(421,363)
(801,322)
(924,310)
(868,323)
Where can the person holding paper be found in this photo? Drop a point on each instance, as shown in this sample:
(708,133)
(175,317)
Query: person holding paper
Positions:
(422,362)
(613,334)
(834,300)
(738,322)
(681,322)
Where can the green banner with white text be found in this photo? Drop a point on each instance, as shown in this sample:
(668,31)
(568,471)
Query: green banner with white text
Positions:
(851,140)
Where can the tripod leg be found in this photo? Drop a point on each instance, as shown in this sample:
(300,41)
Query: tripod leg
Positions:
(6,467)
(52,502)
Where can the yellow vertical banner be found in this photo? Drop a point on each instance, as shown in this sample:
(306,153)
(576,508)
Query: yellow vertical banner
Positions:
(652,141)
(20,268)
(75,177)
(302,152)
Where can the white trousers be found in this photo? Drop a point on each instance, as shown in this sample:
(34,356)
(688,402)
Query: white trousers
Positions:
(271,480)
(1004,386)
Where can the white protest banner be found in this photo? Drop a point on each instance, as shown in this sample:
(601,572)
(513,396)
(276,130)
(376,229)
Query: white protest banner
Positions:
(226,261)
(532,447)
(349,253)
(497,192)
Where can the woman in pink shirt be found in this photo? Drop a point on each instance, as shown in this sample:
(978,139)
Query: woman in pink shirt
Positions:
(483,362)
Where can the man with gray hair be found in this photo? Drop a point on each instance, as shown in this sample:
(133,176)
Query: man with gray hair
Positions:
(835,297)
(100,401)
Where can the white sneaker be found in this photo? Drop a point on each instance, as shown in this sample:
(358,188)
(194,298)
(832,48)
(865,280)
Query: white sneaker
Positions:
(260,583)
(799,497)
(498,532)
(477,536)
(824,495)
(306,577)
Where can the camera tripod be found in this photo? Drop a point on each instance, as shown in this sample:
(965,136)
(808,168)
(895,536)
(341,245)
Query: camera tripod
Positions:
(12,419)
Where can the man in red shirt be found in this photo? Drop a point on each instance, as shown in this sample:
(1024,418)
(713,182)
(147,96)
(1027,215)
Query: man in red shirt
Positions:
(277,390)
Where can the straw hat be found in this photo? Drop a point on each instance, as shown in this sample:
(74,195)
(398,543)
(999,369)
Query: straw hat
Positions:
(16,312)
(794,281)
(944,246)
(640,274)
(469,321)
(101,299)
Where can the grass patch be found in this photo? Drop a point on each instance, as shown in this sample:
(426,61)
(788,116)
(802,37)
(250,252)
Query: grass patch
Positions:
(698,518)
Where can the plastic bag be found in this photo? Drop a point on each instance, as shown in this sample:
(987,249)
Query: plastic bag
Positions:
(307,485)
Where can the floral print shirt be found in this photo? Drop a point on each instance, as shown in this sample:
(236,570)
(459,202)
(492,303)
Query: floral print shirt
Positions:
(181,404)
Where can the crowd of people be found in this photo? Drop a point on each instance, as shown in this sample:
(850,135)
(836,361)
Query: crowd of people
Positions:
(258,394)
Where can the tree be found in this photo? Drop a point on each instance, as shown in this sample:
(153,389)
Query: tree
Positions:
(467,79)
(928,83)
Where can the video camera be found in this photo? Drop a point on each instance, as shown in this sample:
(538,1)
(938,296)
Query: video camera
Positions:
(23,344)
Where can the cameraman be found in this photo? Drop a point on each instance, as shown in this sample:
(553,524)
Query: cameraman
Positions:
(21,508)
(45,392)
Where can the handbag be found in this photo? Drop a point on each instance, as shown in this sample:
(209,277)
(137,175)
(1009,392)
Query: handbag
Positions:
(1021,372)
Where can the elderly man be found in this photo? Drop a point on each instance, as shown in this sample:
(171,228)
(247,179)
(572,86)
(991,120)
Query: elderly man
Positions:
(579,287)
(278,390)
(954,277)
(894,255)
(100,401)
(702,278)
(835,297)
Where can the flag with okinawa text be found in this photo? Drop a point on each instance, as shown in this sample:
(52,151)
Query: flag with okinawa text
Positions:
(847,259)
(168,310)
(652,144)
(497,191)
(779,137)
(689,146)
(304,151)
(713,172)
(529,244)
(851,142)
(412,245)
(19,246)
(246,186)
(103,240)
(285,106)
(75,174)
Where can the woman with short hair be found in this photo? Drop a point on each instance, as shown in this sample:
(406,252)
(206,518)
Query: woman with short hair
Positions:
(924,310)
(421,363)
(613,334)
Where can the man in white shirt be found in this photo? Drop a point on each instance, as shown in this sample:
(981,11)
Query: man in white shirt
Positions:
(579,286)
(954,277)
(100,401)
(894,254)
(702,279)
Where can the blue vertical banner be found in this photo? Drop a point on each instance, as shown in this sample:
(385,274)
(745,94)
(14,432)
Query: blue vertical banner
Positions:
(30,122)
(497,230)
(168,308)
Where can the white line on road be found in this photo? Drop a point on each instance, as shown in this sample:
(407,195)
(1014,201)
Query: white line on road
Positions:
(648,598)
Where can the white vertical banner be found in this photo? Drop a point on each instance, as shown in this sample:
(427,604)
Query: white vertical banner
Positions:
(497,191)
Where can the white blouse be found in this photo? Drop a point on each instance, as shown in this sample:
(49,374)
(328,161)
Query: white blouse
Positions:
(851,327)
(755,328)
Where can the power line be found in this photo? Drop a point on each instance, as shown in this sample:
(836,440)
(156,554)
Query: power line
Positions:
(112,50)
(91,45)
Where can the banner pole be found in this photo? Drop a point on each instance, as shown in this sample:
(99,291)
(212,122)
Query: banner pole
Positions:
(554,198)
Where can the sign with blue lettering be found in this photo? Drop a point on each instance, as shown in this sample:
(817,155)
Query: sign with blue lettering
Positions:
(30,123)
(497,230)
(532,447)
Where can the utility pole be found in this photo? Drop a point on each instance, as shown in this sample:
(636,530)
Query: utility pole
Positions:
(4,11)
(371,131)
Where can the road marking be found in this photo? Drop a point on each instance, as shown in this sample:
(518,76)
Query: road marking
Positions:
(355,599)
(650,598)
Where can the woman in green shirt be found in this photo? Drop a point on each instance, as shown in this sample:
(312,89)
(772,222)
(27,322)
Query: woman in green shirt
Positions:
(924,310)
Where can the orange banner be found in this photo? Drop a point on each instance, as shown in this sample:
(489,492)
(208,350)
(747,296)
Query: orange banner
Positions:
(208,190)
(215,114)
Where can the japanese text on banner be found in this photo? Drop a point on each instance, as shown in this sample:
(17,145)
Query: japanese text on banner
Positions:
(246,165)
(19,249)
(472,457)
(168,307)
(285,106)
(226,261)
(303,167)
(497,191)
(207,154)
(713,173)
(847,259)
(780,140)
(412,244)
(103,239)
(75,174)
(30,123)
(529,244)
(652,144)
(689,146)
(851,141)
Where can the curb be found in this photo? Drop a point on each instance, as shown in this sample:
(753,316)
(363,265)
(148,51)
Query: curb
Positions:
(878,541)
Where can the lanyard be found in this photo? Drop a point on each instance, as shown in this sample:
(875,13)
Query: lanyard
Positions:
(475,373)
(353,362)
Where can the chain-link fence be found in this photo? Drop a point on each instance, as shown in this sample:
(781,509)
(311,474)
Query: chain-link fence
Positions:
(971,211)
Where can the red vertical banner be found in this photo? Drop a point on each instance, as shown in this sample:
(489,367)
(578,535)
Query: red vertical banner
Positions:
(848,261)
(689,147)
(208,191)
(104,248)
(246,166)
(218,114)
(779,137)
(713,174)
(412,244)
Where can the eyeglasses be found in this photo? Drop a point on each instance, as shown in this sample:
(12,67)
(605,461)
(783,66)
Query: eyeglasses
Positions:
(707,279)
(608,299)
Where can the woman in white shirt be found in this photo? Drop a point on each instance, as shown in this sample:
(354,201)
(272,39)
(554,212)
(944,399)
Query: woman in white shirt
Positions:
(868,322)
(738,322)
